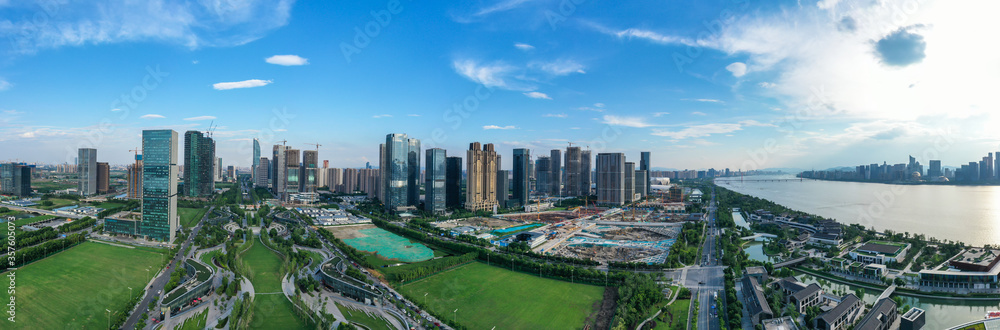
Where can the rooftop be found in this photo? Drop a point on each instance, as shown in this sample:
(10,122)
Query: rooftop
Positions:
(882,247)
(877,316)
(842,308)
(978,257)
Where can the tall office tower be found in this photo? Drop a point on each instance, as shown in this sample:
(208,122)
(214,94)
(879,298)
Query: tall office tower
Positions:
(543,178)
(935,170)
(641,181)
(973,173)
(400,171)
(255,161)
(86,166)
(996,164)
(555,169)
(199,163)
(15,179)
(521,182)
(611,178)
(231,172)
(503,188)
(434,188)
(531,175)
(159,185)
(218,170)
(292,174)
(573,183)
(644,165)
(413,172)
(481,182)
(586,176)
(260,177)
(135,179)
(310,162)
(453,182)
(278,165)
(629,182)
(103,177)
(989,166)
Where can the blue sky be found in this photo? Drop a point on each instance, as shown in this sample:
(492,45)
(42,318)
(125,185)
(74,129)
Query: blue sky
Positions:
(699,83)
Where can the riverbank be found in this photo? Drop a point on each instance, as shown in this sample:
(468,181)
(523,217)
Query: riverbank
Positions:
(912,183)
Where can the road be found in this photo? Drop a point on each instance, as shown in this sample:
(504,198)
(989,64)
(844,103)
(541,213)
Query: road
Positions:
(40,211)
(164,277)
(709,275)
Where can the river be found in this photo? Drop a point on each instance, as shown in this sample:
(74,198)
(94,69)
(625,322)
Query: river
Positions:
(969,214)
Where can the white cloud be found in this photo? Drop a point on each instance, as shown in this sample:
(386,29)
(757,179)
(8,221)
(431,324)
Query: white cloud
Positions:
(490,75)
(116,110)
(660,114)
(537,95)
(413,115)
(555,115)
(382,116)
(287,60)
(559,67)
(241,84)
(599,105)
(13,112)
(200,118)
(590,109)
(5,85)
(194,62)
(152,116)
(765,84)
(498,127)
(635,33)
(697,131)
(704,100)
(626,121)
(281,130)
(502,6)
(699,113)
(523,46)
(737,68)
(192,24)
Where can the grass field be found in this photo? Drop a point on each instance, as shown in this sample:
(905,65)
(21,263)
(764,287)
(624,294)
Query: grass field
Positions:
(357,316)
(196,322)
(57,203)
(675,317)
(73,288)
(190,216)
(271,311)
(483,296)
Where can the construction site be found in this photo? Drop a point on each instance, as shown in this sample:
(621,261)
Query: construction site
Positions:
(490,223)
(606,243)
(544,217)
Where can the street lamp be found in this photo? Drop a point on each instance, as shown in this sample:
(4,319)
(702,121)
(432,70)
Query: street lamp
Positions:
(129,293)
(425,300)
(109,318)
(456,316)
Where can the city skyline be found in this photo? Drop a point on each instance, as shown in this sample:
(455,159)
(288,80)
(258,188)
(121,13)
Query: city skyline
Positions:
(602,75)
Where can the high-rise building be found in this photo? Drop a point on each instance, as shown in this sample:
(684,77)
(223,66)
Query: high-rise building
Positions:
(586,176)
(310,162)
(135,178)
(218,171)
(292,174)
(159,185)
(400,171)
(481,182)
(644,165)
(521,182)
(611,178)
(574,181)
(103,177)
(503,188)
(555,172)
(641,181)
(86,167)
(935,170)
(199,163)
(260,177)
(231,172)
(543,178)
(629,182)
(434,188)
(334,178)
(255,161)
(278,165)
(453,182)
(15,179)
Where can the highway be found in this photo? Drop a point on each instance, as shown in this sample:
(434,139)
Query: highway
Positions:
(708,274)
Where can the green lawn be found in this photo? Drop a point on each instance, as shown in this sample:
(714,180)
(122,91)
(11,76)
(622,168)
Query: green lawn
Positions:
(488,296)
(73,288)
(357,316)
(107,205)
(675,317)
(207,258)
(271,311)
(196,322)
(190,216)
(57,203)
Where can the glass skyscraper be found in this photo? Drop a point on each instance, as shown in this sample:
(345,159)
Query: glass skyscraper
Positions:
(434,187)
(400,171)
(86,169)
(199,158)
(521,183)
(159,185)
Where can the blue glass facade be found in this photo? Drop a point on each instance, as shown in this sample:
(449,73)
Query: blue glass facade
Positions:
(434,187)
(159,185)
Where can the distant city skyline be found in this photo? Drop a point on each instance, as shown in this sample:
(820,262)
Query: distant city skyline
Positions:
(685,81)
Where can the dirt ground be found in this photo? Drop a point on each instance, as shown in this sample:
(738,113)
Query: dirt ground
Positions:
(479,222)
(604,310)
(348,232)
(546,217)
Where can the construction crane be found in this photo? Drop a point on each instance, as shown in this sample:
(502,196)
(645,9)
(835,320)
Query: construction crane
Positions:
(211,128)
(282,142)
(315,144)
(136,151)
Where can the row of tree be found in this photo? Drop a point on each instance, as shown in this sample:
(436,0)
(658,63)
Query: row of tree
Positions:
(77,225)
(411,272)
(28,255)
(637,294)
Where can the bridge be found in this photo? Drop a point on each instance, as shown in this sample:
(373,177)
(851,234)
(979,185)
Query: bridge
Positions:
(789,263)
